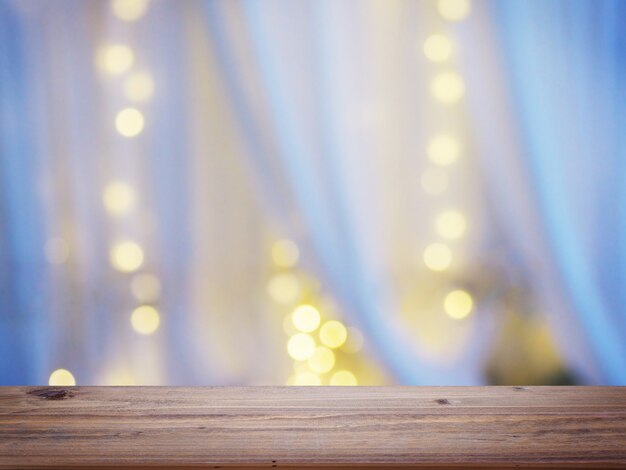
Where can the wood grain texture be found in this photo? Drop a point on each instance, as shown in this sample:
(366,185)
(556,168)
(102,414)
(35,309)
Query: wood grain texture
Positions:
(208,427)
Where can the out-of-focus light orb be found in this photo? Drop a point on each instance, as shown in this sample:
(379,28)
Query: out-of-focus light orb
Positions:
(437,257)
(301,346)
(126,256)
(333,334)
(139,87)
(115,59)
(434,181)
(354,342)
(451,225)
(118,198)
(343,378)
(61,377)
(145,287)
(306,379)
(322,360)
(454,10)
(458,304)
(443,149)
(56,251)
(285,253)
(145,320)
(284,288)
(306,318)
(129,10)
(447,87)
(437,48)
(129,122)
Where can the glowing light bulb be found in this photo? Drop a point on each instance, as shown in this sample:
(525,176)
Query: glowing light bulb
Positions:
(126,256)
(139,87)
(56,251)
(129,122)
(434,181)
(284,288)
(343,378)
(306,318)
(115,59)
(448,87)
(301,346)
(118,198)
(333,334)
(129,10)
(145,320)
(437,48)
(458,304)
(61,377)
(454,10)
(443,149)
(437,257)
(145,287)
(322,360)
(451,225)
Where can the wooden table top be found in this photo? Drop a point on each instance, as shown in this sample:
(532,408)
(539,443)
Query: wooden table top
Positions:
(211,427)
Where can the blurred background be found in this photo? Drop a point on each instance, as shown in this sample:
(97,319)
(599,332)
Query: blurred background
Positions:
(306,192)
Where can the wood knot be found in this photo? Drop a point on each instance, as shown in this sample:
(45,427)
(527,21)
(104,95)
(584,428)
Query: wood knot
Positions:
(519,388)
(52,394)
(443,401)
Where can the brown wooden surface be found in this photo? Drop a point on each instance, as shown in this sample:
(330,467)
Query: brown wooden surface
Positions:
(310,426)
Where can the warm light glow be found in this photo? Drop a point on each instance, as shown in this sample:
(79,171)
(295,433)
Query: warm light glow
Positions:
(284,288)
(437,257)
(115,59)
(285,253)
(354,342)
(434,181)
(306,318)
(343,377)
(129,122)
(56,251)
(454,10)
(306,378)
(139,87)
(322,360)
(145,320)
(118,198)
(458,304)
(129,10)
(438,48)
(126,256)
(301,346)
(443,149)
(145,287)
(333,334)
(451,225)
(61,377)
(448,87)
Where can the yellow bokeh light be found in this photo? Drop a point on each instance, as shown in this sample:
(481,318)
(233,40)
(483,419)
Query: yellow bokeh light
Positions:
(285,253)
(447,87)
(145,320)
(126,256)
(56,251)
(458,304)
(61,377)
(115,59)
(434,181)
(129,10)
(451,225)
(454,10)
(301,346)
(139,87)
(129,122)
(443,149)
(284,288)
(333,334)
(145,287)
(306,318)
(306,379)
(322,360)
(343,378)
(118,198)
(437,257)
(354,342)
(437,48)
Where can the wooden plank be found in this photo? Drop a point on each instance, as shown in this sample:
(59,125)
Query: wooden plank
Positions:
(209,427)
